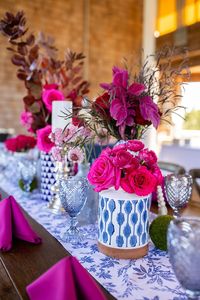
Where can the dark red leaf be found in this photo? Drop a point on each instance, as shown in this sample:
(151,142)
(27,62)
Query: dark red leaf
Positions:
(29,100)
(18,60)
(30,40)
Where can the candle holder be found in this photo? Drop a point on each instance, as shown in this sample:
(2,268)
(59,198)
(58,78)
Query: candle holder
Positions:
(61,172)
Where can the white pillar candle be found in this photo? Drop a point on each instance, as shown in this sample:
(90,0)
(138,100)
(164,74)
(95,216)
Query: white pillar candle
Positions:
(59,110)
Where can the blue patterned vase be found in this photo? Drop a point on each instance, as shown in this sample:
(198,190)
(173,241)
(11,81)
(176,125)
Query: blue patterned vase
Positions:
(47,175)
(123,224)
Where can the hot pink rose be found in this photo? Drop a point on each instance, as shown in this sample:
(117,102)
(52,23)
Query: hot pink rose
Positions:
(140,181)
(149,157)
(43,141)
(102,174)
(50,95)
(135,145)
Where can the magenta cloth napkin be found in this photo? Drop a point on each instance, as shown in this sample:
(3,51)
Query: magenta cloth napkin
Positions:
(14,224)
(66,280)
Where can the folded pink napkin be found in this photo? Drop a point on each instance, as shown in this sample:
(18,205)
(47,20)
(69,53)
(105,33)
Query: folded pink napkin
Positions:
(14,224)
(66,280)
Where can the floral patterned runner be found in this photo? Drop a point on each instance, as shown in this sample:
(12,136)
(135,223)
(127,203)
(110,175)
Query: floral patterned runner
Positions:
(148,278)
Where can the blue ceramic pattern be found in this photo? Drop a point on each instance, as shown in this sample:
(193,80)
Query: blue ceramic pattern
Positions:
(125,222)
(148,278)
(47,175)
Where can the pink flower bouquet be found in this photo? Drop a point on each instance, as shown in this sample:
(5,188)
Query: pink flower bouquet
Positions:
(70,143)
(129,166)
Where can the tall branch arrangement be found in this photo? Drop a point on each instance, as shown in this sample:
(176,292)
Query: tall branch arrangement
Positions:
(45,76)
(133,102)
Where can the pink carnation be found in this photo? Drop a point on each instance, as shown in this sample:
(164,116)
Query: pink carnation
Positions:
(50,95)
(43,141)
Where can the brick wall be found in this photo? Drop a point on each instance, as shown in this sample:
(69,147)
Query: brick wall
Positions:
(106,30)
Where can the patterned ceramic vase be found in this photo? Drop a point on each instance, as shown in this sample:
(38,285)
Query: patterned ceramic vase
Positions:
(47,175)
(123,224)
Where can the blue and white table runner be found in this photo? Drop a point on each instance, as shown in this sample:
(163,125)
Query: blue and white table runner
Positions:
(148,278)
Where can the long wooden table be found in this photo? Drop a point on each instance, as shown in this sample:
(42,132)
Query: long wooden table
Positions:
(25,262)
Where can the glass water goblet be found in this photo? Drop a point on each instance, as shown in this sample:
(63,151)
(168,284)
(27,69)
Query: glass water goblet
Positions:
(178,190)
(184,253)
(73,195)
(27,173)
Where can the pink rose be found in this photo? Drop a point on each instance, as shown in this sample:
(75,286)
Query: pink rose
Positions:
(149,157)
(102,174)
(135,145)
(140,181)
(43,141)
(50,95)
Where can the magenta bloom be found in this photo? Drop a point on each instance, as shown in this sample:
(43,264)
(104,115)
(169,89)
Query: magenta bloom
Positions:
(102,174)
(149,111)
(43,141)
(51,94)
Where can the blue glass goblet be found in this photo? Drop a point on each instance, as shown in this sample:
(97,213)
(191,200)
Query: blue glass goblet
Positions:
(184,254)
(73,195)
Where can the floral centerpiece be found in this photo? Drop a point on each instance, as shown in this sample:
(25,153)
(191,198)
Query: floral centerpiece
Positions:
(125,177)
(46,77)
(131,103)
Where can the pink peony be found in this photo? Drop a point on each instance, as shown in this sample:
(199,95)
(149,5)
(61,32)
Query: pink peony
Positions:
(102,174)
(135,145)
(76,155)
(50,95)
(43,141)
(140,181)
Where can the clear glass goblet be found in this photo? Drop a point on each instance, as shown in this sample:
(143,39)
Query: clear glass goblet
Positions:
(73,195)
(27,173)
(184,253)
(178,190)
